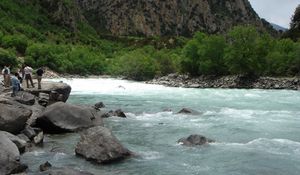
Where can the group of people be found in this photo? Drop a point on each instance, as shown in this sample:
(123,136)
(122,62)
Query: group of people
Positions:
(16,81)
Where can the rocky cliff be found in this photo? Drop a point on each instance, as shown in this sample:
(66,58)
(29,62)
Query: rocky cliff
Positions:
(167,17)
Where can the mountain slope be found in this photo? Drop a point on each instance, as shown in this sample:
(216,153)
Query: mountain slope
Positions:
(172,17)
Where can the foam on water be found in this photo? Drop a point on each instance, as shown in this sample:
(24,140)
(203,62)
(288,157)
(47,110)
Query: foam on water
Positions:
(256,131)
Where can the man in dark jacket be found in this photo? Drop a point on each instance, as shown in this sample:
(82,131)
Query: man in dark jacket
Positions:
(39,74)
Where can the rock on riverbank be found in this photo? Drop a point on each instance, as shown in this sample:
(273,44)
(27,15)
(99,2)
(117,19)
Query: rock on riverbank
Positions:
(233,81)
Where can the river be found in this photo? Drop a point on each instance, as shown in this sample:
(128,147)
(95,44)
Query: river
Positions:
(256,131)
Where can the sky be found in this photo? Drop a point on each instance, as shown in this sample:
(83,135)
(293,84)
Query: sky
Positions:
(276,11)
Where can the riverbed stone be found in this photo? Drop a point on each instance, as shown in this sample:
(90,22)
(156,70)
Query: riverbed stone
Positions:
(188,111)
(62,89)
(62,117)
(195,140)
(9,157)
(25,98)
(20,143)
(98,144)
(13,116)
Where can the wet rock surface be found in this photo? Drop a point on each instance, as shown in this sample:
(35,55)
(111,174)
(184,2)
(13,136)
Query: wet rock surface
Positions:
(99,145)
(195,140)
(9,157)
(61,118)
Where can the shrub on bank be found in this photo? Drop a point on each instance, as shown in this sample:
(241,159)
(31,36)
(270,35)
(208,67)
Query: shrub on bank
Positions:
(19,42)
(7,58)
(136,65)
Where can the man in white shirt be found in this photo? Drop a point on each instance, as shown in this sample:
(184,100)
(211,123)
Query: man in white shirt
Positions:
(28,75)
(6,76)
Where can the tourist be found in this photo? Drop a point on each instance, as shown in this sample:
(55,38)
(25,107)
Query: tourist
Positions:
(39,74)
(6,76)
(28,75)
(22,72)
(15,84)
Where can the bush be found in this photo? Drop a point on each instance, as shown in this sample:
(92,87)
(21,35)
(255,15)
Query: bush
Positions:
(38,55)
(241,54)
(7,58)
(81,60)
(19,42)
(136,65)
(205,55)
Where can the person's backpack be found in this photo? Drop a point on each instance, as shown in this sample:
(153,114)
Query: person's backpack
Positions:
(5,71)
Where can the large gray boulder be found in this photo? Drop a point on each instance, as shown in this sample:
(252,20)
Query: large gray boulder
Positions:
(9,157)
(99,145)
(20,143)
(61,117)
(57,91)
(25,98)
(195,140)
(13,116)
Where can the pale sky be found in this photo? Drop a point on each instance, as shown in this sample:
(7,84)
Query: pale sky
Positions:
(276,11)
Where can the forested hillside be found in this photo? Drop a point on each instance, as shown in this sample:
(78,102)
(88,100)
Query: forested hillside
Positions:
(58,35)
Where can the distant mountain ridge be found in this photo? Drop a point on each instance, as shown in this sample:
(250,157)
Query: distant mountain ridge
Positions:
(278,27)
(154,17)
(172,17)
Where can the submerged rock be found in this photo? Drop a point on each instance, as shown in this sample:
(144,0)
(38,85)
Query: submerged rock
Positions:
(45,166)
(99,105)
(61,117)
(99,145)
(188,111)
(9,157)
(195,140)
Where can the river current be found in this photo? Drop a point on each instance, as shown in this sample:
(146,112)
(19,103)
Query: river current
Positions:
(257,132)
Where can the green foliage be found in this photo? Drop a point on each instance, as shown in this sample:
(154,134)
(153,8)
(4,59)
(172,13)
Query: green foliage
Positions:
(27,29)
(204,55)
(19,42)
(283,59)
(7,58)
(39,55)
(136,65)
(240,55)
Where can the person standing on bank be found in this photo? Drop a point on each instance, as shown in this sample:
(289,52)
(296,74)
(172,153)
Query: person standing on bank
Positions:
(6,76)
(39,74)
(15,84)
(28,75)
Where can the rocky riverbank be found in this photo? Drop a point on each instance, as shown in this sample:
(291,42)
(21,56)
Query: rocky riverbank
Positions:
(25,118)
(234,81)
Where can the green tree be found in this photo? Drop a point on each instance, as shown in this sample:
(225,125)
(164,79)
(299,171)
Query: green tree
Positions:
(241,55)
(205,55)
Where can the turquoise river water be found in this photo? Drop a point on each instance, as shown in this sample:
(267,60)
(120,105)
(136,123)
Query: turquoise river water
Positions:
(257,131)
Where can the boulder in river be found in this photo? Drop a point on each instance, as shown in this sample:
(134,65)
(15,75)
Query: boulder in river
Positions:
(9,157)
(61,117)
(195,140)
(189,111)
(13,116)
(98,144)
(99,105)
